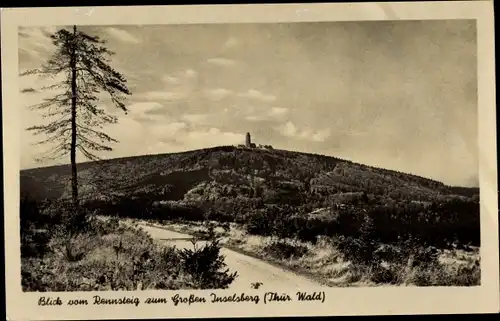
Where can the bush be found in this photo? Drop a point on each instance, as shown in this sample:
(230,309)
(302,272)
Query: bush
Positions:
(283,250)
(438,275)
(357,250)
(104,227)
(178,211)
(260,223)
(387,274)
(309,229)
(215,215)
(405,263)
(39,221)
(34,243)
(206,266)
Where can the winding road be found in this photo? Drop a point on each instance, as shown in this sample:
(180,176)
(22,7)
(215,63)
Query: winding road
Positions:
(249,269)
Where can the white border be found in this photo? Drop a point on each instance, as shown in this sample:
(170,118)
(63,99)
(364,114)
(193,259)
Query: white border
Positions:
(345,301)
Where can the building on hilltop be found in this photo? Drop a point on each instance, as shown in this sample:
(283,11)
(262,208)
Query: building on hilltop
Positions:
(248,140)
(249,144)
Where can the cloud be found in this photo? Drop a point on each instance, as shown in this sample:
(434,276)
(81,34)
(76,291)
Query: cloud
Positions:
(195,118)
(166,132)
(210,137)
(278,112)
(149,117)
(257,95)
(218,93)
(231,42)
(321,136)
(253,118)
(129,132)
(39,83)
(143,107)
(163,95)
(272,114)
(122,35)
(172,88)
(170,79)
(36,42)
(180,79)
(177,136)
(221,61)
(32,88)
(290,130)
(190,73)
(137,139)
(158,147)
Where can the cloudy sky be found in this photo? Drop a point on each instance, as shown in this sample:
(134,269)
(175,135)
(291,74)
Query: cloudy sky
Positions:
(400,95)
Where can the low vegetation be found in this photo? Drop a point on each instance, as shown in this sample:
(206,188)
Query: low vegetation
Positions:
(105,254)
(338,261)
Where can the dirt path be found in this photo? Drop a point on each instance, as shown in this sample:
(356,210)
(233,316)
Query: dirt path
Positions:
(249,269)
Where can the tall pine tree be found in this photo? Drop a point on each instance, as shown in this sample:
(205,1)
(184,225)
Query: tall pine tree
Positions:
(77,120)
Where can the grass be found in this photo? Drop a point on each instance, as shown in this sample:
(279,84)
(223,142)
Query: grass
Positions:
(330,266)
(116,256)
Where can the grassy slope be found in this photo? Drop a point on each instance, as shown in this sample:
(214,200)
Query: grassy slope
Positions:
(112,255)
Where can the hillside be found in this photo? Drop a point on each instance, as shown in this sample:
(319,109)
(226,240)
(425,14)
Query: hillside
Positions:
(279,205)
(230,172)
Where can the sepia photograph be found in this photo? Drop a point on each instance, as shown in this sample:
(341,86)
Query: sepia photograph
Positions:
(247,157)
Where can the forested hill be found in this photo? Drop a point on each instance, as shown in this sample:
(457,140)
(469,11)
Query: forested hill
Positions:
(272,176)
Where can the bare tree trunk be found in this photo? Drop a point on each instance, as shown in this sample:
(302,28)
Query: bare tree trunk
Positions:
(74,177)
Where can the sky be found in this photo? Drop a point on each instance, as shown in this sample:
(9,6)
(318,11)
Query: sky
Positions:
(400,95)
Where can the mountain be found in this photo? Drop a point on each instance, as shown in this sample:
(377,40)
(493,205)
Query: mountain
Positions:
(275,176)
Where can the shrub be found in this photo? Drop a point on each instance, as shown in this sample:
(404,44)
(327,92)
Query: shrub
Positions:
(281,249)
(34,243)
(259,223)
(407,263)
(308,229)
(215,215)
(40,222)
(358,250)
(387,274)
(104,227)
(206,266)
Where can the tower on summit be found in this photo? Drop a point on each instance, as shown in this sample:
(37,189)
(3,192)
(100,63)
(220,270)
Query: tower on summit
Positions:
(248,141)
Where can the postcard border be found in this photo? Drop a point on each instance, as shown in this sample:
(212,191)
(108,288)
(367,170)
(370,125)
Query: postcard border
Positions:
(345,301)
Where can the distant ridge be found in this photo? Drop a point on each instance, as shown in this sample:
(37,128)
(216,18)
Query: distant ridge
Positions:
(287,165)
(85,164)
